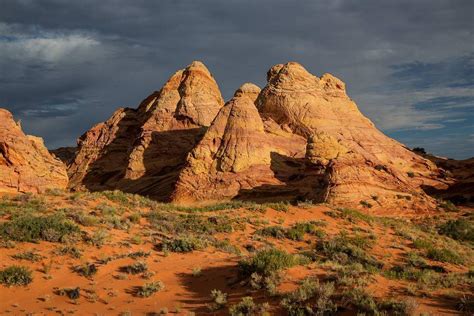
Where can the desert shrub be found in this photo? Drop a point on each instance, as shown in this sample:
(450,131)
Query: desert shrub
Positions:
(366,204)
(69,250)
(444,255)
(148,289)
(219,300)
(247,307)
(311,298)
(86,269)
(448,206)
(278,206)
(31,228)
(72,293)
(298,230)
(345,249)
(134,218)
(460,229)
(16,276)
(351,215)
(226,246)
(397,307)
(82,218)
(361,301)
(192,223)
(182,244)
(272,231)
(28,255)
(268,261)
(135,268)
(139,254)
(98,238)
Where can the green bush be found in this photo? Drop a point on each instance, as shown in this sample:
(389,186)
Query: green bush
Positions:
(28,255)
(148,289)
(272,231)
(219,300)
(135,268)
(460,229)
(16,276)
(298,230)
(268,261)
(86,269)
(311,298)
(444,255)
(345,249)
(182,244)
(247,307)
(33,228)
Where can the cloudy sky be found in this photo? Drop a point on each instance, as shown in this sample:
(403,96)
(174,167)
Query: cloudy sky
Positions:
(409,64)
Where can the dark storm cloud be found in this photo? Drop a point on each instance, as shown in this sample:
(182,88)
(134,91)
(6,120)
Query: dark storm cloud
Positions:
(66,65)
(455,72)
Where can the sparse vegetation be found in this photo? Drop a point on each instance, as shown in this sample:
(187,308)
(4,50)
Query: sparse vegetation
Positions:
(16,276)
(247,307)
(34,228)
(86,269)
(268,261)
(148,289)
(219,300)
(135,268)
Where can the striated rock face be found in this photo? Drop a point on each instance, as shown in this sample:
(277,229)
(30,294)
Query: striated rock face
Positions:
(301,137)
(142,150)
(25,163)
(358,160)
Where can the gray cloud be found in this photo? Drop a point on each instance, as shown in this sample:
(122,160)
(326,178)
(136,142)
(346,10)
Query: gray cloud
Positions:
(66,65)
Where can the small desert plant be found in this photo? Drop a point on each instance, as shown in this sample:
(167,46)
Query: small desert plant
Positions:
(272,231)
(444,255)
(268,261)
(33,228)
(69,250)
(366,204)
(98,238)
(16,276)
(72,293)
(311,298)
(28,255)
(219,300)
(135,268)
(182,244)
(86,269)
(448,206)
(345,249)
(247,307)
(148,289)
(460,229)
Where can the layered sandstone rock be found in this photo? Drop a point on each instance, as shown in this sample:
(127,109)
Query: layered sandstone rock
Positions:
(301,137)
(359,161)
(25,163)
(306,139)
(142,150)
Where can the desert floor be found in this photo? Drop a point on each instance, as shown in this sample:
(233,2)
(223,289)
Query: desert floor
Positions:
(128,255)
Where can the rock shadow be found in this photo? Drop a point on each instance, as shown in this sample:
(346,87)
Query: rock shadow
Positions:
(163,159)
(302,181)
(223,278)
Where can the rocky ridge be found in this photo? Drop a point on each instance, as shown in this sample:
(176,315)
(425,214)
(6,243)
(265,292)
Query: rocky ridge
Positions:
(25,163)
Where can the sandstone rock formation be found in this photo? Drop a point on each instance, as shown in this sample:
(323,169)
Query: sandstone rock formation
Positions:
(315,144)
(142,150)
(301,137)
(25,163)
